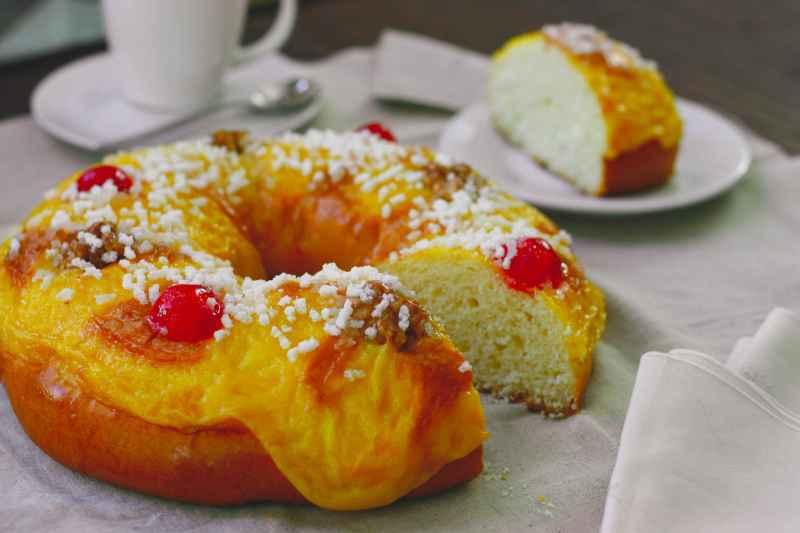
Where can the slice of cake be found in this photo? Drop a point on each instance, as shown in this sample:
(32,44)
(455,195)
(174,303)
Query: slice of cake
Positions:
(587,107)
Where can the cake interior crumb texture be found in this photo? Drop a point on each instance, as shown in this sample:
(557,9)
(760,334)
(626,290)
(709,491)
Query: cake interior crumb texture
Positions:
(545,105)
(517,345)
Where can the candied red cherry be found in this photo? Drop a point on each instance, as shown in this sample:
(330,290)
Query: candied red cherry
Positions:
(376,128)
(102,173)
(534,265)
(186,313)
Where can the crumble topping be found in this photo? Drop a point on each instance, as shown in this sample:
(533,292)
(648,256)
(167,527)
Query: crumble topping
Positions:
(375,311)
(444,180)
(101,244)
(233,140)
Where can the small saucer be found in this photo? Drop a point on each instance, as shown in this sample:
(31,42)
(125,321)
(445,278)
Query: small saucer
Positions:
(712,157)
(83,105)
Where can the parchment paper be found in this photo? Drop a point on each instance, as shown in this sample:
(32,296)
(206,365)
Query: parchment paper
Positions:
(696,278)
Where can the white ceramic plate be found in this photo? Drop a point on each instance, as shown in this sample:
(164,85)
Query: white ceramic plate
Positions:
(712,157)
(82,104)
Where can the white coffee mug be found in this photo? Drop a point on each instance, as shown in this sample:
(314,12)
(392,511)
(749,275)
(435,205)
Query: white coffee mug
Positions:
(170,55)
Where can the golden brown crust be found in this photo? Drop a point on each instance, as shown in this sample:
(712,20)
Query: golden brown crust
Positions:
(301,233)
(233,140)
(221,465)
(20,267)
(582,373)
(125,327)
(647,166)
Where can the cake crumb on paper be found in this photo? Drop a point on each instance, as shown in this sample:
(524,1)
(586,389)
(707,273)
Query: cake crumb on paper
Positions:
(544,506)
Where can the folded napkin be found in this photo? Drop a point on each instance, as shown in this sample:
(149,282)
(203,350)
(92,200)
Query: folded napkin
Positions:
(710,445)
(418,69)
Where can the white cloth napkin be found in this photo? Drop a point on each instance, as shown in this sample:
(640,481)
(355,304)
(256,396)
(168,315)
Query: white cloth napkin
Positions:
(710,445)
(422,70)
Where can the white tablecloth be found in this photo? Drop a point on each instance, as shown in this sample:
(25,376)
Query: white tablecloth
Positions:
(696,278)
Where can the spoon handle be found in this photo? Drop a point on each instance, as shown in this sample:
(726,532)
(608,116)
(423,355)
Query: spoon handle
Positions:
(279,124)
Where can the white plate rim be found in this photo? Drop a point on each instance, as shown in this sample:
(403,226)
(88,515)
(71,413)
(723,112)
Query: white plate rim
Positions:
(43,90)
(630,205)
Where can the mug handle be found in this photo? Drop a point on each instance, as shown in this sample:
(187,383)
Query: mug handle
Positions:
(278,33)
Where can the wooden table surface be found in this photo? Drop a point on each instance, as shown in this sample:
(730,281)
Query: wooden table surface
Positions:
(740,56)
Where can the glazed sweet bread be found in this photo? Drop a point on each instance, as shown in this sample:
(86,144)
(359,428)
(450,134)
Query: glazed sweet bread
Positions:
(229,320)
(588,108)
